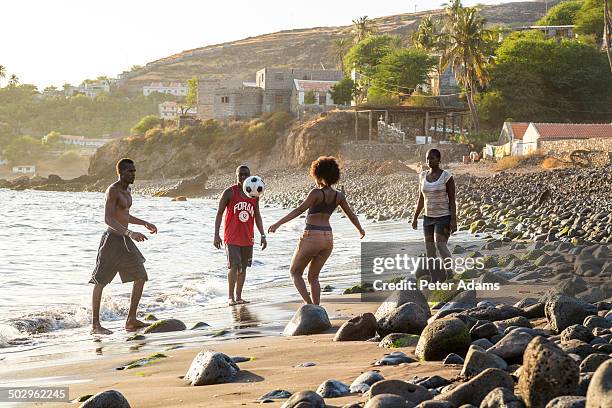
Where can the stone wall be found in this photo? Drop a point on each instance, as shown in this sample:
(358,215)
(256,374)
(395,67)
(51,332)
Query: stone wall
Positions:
(394,151)
(390,132)
(562,148)
(237,103)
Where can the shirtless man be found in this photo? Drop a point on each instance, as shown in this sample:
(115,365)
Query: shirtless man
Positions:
(117,251)
(241,212)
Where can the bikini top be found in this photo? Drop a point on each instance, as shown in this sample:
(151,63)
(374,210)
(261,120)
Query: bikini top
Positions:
(323,207)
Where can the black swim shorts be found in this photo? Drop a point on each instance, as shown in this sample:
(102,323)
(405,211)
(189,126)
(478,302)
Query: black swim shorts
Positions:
(118,253)
(239,256)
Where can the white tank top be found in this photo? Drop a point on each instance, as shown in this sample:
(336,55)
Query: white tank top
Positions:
(435,195)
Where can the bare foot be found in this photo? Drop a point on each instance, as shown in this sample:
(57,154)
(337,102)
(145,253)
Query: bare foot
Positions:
(132,325)
(242,301)
(231,302)
(98,329)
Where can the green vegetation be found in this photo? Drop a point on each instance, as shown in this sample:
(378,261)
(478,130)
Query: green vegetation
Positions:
(401,70)
(538,79)
(342,93)
(466,43)
(146,123)
(25,111)
(562,14)
(590,20)
(309,97)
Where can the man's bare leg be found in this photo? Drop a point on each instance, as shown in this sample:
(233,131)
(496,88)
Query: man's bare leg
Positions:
(132,323)
(240,285)
(96,327)
(232,278)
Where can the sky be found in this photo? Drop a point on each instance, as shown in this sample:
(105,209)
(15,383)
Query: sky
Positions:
(66,41)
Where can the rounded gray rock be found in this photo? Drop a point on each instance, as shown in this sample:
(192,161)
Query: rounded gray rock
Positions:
(359,328)
(410,392)
(165,326)
(332,389)
(369,378)
(388,401)
(474,391)
(548,372)
(309,319)
(592,362)
(501,398)
(599,393)
(442,337)
(477,360)
(408,318)
(512,346)
(211,367)
(106,399)
(567,401)
(563,311)
(304,399)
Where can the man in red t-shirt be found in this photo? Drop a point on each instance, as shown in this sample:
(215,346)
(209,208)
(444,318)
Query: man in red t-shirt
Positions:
(241,212)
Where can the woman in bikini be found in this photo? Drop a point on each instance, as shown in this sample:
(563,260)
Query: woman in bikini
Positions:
(316,244)
(437,197)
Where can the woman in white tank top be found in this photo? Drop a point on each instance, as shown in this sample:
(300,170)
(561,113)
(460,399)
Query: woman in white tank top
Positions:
(437,197)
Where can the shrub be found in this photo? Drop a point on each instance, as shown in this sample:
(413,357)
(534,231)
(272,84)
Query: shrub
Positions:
(69,157)
(146,123)
(506,163)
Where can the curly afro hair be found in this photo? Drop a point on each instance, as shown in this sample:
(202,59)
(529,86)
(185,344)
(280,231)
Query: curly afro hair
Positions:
(325,170)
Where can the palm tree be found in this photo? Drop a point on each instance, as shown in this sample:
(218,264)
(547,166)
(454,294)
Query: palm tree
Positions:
(339,48)
(466,42)
(13,80)
(607,33)
(426,34)
(2,71)
(362,28)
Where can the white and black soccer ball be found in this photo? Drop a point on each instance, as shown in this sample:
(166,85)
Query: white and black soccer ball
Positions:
(253,186)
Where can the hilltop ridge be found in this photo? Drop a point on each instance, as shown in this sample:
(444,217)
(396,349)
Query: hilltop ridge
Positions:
(303,47)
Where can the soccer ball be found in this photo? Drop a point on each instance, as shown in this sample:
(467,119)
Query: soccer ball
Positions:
(253,186)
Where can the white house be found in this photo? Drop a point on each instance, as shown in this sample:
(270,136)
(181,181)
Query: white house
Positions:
(24,169)
(174,88)
(172,110)
(302,88)
(555,137)
(90,89)
(83,141)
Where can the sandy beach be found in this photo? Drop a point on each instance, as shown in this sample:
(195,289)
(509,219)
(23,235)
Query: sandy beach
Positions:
(272,366)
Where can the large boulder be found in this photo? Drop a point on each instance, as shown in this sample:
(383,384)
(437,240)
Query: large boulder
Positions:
(309,319)
(592,362)
(512,346)
(211,367)
(567,401)
(388,401)
(368,378)
(563,311)
(501,398)
(192,187)
(410,392)
(408,318)
(165,326)
(599,393)
(332,389)
(474,391)
(361,327)
(548,372)
(442,337)
(398,298)
(477,360)
(576,332)
(304,399)
(396,340)
(106,399)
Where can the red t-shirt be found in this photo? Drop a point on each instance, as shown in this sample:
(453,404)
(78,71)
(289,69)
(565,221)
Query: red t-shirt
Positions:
(239,219)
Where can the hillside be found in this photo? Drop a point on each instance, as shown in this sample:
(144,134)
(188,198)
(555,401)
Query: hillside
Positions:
(300,48)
